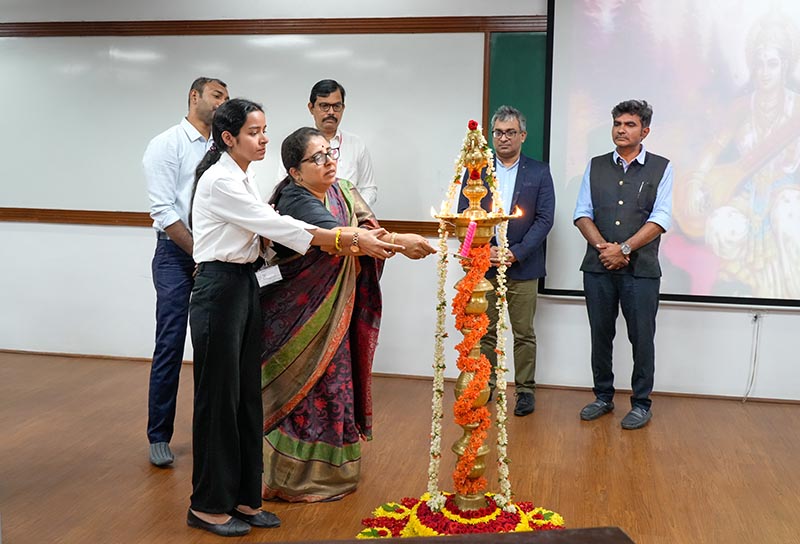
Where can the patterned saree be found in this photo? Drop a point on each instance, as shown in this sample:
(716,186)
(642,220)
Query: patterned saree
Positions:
(320,332)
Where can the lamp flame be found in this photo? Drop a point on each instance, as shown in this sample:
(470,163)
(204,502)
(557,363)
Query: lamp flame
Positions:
(517,212)
(433,212)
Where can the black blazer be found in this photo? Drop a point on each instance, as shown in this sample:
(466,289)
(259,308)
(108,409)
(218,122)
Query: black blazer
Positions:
(535,196)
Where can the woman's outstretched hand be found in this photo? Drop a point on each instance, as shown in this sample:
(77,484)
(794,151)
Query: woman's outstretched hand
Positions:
(416,246)
(369,243)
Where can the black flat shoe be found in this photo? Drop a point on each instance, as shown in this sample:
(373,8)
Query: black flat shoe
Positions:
(595,409)
(636,418)
(232,527)
(526,404)
(263,518)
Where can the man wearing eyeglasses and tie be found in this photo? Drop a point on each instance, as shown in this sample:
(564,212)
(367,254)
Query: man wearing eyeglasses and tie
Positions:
(326,105)
(524,183)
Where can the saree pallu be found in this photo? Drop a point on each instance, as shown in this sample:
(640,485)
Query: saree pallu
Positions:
(320,333)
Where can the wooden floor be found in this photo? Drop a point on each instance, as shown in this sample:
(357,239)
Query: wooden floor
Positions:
(74,467)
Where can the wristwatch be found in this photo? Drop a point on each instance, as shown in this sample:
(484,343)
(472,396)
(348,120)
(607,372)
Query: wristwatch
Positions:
(354,244)
(626,248)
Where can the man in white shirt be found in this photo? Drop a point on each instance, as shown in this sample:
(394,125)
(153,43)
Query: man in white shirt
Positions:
(169,165)
(326,105)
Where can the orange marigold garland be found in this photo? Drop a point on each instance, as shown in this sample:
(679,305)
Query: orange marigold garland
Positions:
(436,512)
(465,412)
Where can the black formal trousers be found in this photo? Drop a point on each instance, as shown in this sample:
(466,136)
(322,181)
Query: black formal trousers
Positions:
(225,321)
(638,297)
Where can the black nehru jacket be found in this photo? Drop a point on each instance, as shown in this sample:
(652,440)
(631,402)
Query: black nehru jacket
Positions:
(622,202)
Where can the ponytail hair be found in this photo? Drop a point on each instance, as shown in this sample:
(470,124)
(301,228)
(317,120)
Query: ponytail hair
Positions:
(229,117)
(293,149)
(211,157)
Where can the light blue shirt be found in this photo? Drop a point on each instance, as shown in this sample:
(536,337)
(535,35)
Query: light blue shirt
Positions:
(169,164)
(662,208)
(506,180)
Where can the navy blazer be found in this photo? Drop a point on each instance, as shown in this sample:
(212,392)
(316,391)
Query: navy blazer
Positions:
(536,198)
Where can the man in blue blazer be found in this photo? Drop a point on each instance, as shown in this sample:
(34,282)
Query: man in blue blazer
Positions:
(525,183)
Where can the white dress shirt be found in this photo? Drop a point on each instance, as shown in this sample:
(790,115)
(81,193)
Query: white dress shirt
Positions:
(169,163)
(229,214)
(355,165)
(507,182)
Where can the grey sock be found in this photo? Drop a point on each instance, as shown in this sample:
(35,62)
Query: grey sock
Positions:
(160,454)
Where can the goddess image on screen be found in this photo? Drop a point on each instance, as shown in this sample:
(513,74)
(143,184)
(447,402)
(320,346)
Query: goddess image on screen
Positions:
(744,198)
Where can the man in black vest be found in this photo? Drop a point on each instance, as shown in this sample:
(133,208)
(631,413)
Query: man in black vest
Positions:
(624,206)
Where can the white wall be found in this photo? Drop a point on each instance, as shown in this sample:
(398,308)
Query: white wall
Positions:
(88,290)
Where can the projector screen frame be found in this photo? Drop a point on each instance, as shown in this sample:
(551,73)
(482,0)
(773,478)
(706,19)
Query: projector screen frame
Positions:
(700,300)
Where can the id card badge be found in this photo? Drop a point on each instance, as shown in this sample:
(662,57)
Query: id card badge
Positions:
(268,274)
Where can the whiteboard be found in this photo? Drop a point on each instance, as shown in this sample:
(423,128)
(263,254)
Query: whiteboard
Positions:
(81,110)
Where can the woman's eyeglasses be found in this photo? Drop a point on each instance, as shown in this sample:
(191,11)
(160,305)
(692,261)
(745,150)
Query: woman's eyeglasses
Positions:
(321,158)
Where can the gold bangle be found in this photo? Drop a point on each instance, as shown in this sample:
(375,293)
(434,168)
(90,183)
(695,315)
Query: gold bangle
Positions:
(394,235)
(337,242)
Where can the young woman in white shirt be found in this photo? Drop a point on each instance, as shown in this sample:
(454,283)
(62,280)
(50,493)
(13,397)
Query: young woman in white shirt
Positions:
(228,219)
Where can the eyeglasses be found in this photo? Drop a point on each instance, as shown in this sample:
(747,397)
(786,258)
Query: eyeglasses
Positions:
(321,158)
(337,107)
(511,133)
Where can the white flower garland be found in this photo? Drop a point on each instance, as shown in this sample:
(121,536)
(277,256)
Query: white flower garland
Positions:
(452,190)
(493,185)
(503,498)
(460,165)
(437,500)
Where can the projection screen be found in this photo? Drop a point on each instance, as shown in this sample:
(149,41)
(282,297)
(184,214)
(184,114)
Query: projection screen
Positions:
(722,77)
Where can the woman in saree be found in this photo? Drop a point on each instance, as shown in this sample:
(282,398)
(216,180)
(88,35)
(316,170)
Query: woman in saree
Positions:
(321,323)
